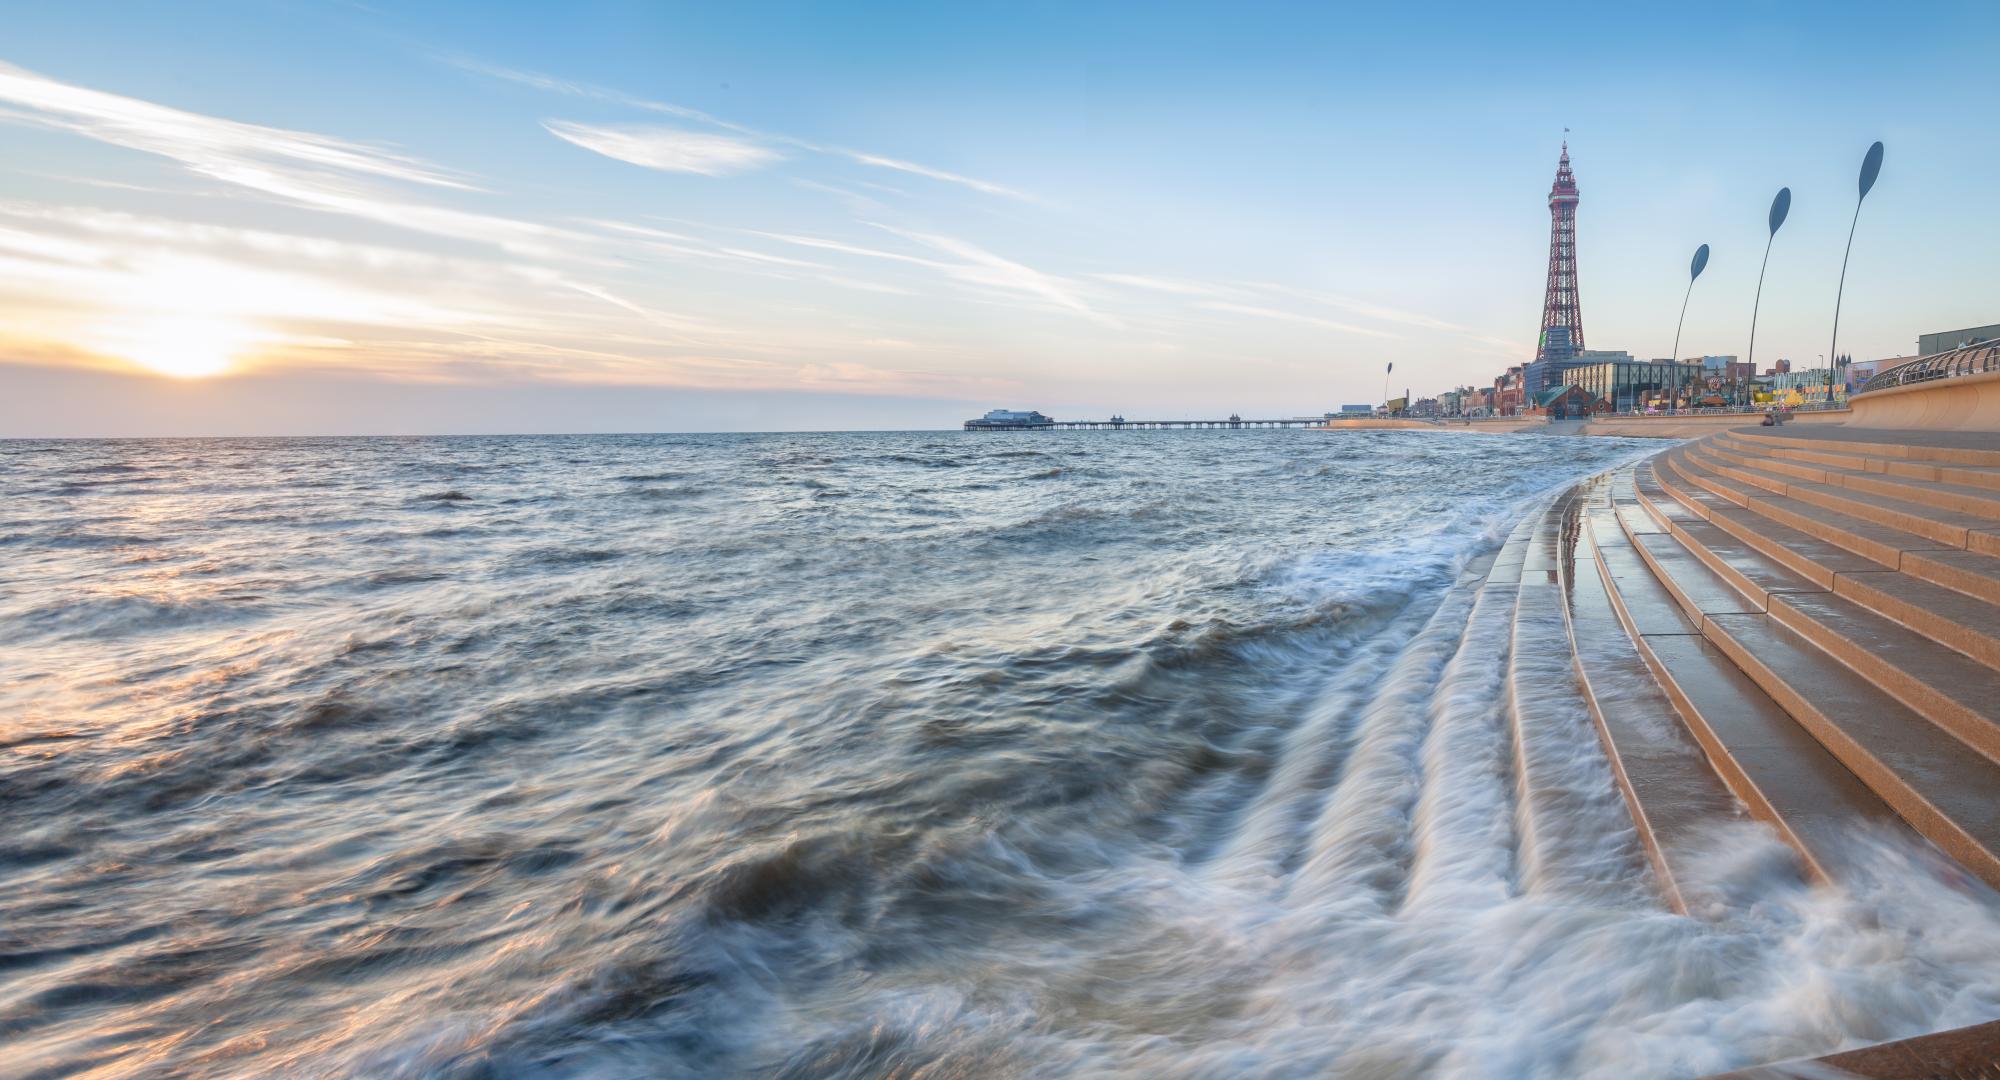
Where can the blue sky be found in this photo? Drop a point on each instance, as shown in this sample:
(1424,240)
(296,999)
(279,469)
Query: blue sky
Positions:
(277,217)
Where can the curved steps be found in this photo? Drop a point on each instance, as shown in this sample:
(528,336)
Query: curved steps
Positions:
(1820,618)
(1853,601)
(1776,768)
(1676,800)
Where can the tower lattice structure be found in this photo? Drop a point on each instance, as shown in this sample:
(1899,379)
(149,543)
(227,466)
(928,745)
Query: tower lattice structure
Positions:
(1561,308)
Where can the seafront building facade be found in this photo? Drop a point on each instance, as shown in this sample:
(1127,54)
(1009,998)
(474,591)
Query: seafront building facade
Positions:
(1946,340)
(1630,385)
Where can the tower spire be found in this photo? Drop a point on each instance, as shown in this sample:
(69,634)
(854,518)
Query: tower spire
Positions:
(1562,310)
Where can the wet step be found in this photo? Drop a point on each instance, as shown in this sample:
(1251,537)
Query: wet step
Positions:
(1745,568)
(1956,620)
(1912,720)
(1677,801)
(1571,826)
(1882,624)
(1954,691)
(1811,558)
(1542,709)
(1967,1053)
(1694,498)
(1973,573)
(1779,772)
(1935,782)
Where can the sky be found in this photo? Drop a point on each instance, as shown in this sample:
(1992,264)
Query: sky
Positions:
(270,217)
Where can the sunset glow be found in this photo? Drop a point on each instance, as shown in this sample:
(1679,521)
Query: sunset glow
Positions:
(187,348)
(662,222)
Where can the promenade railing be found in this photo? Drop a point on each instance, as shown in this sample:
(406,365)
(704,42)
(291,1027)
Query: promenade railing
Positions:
(1968,360)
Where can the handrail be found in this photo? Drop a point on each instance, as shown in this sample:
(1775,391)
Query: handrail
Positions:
(1968,360)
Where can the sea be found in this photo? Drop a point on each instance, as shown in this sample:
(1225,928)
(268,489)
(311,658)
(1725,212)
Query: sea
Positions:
(922,755)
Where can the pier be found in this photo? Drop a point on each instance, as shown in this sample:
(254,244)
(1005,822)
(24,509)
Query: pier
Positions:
(1119,423)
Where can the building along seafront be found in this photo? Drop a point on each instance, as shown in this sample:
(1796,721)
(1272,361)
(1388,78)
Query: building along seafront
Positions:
(1800,624)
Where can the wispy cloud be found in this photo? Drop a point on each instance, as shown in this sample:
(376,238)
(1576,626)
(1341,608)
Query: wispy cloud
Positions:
(856,202)
(979,266)
(202,142)
(1173,286)
(914,169)
(551,84)
(1300,318)
(845,248)
(664,148)
(1365,308)
(315,171)
(968,264)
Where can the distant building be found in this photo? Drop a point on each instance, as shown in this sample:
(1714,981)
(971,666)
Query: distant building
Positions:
(1553,373)
(1009,420)
(1362,409)
(1808,387)
(1508,392)
(1947,340)
(1568,401)
(1460,401)
(1630,385)
(1859,374)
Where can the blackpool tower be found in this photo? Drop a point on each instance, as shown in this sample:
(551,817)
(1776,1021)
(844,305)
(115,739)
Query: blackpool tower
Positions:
(1562,311)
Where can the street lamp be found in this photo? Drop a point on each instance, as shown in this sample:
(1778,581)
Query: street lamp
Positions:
(1780,206)
(1871,167)
(1695,268)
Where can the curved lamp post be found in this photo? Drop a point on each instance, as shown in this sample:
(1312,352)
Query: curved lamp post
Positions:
(1695,268)
(1780,206)
(1871,167)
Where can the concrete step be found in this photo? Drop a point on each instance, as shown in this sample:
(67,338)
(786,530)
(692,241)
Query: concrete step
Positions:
(1949,527)
(1954,691)
(1781,774)
(1883,624)
(1698,500)
(1974,573)
(1919,446)
(1974,476)
(1919,724)
(1983,502)
(1968,624)
(1745,567)
(1677,800)
(1967,1053)
(1833,540)
(1805,555)
(1879,543)
(1761,557)
(1935,783)
(1658,501)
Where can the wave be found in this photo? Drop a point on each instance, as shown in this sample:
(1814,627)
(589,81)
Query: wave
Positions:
(1208,760)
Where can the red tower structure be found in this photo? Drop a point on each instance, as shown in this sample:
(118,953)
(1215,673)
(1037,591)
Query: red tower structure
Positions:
(1562,311)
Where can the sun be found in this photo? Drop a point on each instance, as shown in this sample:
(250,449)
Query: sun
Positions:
(186,348)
